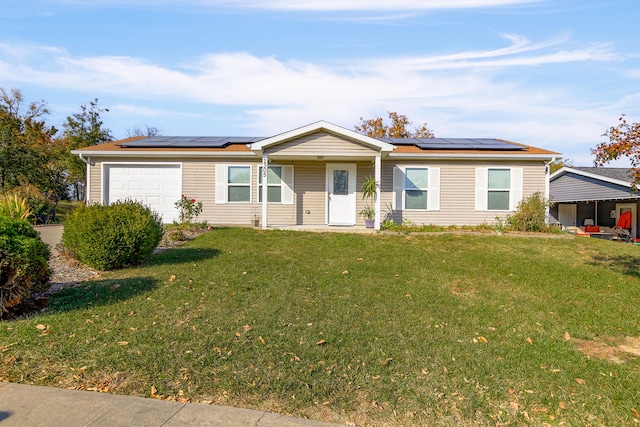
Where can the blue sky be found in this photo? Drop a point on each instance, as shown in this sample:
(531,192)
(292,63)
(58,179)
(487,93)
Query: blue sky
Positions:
(549,73)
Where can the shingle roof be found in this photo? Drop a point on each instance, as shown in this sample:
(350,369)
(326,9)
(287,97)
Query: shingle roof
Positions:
(621,174)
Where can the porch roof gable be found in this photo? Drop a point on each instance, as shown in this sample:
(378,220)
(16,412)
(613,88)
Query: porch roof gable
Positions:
(319,126)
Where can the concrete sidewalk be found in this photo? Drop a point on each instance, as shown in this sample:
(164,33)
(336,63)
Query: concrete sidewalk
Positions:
(51,235)
(25,405)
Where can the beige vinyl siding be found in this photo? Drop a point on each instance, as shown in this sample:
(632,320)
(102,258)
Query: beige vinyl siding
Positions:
(321,144)
(309,193)
(457,192)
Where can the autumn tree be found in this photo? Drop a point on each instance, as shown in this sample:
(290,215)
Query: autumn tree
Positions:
(624,141)
(398,128)
(83,129)
(27,153)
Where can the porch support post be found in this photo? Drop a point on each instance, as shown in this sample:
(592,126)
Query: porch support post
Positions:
(377,177)
(265,188)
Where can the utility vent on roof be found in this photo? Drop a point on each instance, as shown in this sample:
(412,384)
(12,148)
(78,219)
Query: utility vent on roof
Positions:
(189,141)
(488,144)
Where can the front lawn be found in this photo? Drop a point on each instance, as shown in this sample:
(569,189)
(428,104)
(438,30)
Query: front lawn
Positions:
(367,329)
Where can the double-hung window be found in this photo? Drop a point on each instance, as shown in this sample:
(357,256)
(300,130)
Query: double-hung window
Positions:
(239,184)
(274,184)
(233,183)
(498,189)
(416,187)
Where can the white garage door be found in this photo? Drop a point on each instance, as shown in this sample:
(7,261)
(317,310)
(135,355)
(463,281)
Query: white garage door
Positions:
(157,186)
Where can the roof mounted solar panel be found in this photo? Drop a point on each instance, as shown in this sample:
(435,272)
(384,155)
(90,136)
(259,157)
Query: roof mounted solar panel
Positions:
(188,141)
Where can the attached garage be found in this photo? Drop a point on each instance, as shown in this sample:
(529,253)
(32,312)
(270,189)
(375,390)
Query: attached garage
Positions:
(158,186)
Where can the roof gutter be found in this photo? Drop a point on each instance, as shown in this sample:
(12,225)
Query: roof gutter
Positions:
(468,156)
(128,153)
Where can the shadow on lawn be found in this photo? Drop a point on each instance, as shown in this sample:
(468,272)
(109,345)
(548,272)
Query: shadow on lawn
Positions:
(95,293)
(627,264)
(180,255)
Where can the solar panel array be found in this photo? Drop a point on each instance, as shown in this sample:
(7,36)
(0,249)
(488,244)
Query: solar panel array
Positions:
(488,144)
(189,141)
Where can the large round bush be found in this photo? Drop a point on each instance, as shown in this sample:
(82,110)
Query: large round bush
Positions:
(24,262)
(112,236)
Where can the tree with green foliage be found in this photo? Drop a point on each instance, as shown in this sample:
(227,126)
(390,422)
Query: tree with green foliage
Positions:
(83,129)
(27,148)
(398,128)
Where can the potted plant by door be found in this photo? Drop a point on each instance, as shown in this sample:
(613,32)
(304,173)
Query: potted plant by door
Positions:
(369,192)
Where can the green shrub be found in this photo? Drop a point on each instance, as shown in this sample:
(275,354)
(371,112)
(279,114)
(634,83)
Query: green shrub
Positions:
(24,262)
(113,236)
(530,215)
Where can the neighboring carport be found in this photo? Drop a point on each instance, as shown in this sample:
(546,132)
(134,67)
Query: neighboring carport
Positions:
(589,195)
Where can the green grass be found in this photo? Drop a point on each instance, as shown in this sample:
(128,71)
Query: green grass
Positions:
(368,329)
(64,207)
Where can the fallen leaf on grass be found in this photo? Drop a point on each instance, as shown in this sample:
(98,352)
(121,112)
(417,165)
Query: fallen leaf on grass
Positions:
(579,380)
(172,278)
(482,339)
(635,412)
(345,272)
(529,340)
(561,405)
(567,336)
(41,327)
(321,342)
(262,340)
(359,259)
(247,328)
(154,391)
(123,342)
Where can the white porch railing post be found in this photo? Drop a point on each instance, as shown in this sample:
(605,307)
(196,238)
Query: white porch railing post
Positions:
(377,177)
(265,188)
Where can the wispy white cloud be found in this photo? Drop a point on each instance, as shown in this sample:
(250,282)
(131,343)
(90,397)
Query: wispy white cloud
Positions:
(318,5)
(459,94)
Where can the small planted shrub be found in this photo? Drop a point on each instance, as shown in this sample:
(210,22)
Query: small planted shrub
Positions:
(24,263)
(530,215)
(112,236)
(188,209)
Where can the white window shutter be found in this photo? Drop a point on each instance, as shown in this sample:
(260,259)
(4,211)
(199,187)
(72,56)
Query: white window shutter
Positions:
(287,185)
(221,184)
(481,188)
(516,188)
(398,186)
(433,193)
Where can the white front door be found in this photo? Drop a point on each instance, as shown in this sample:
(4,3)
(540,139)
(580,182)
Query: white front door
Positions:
(341,193)
(567,214)
(627,207)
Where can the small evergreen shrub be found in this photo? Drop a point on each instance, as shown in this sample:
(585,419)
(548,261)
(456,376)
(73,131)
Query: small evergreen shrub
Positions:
(112,236)
(24,262)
